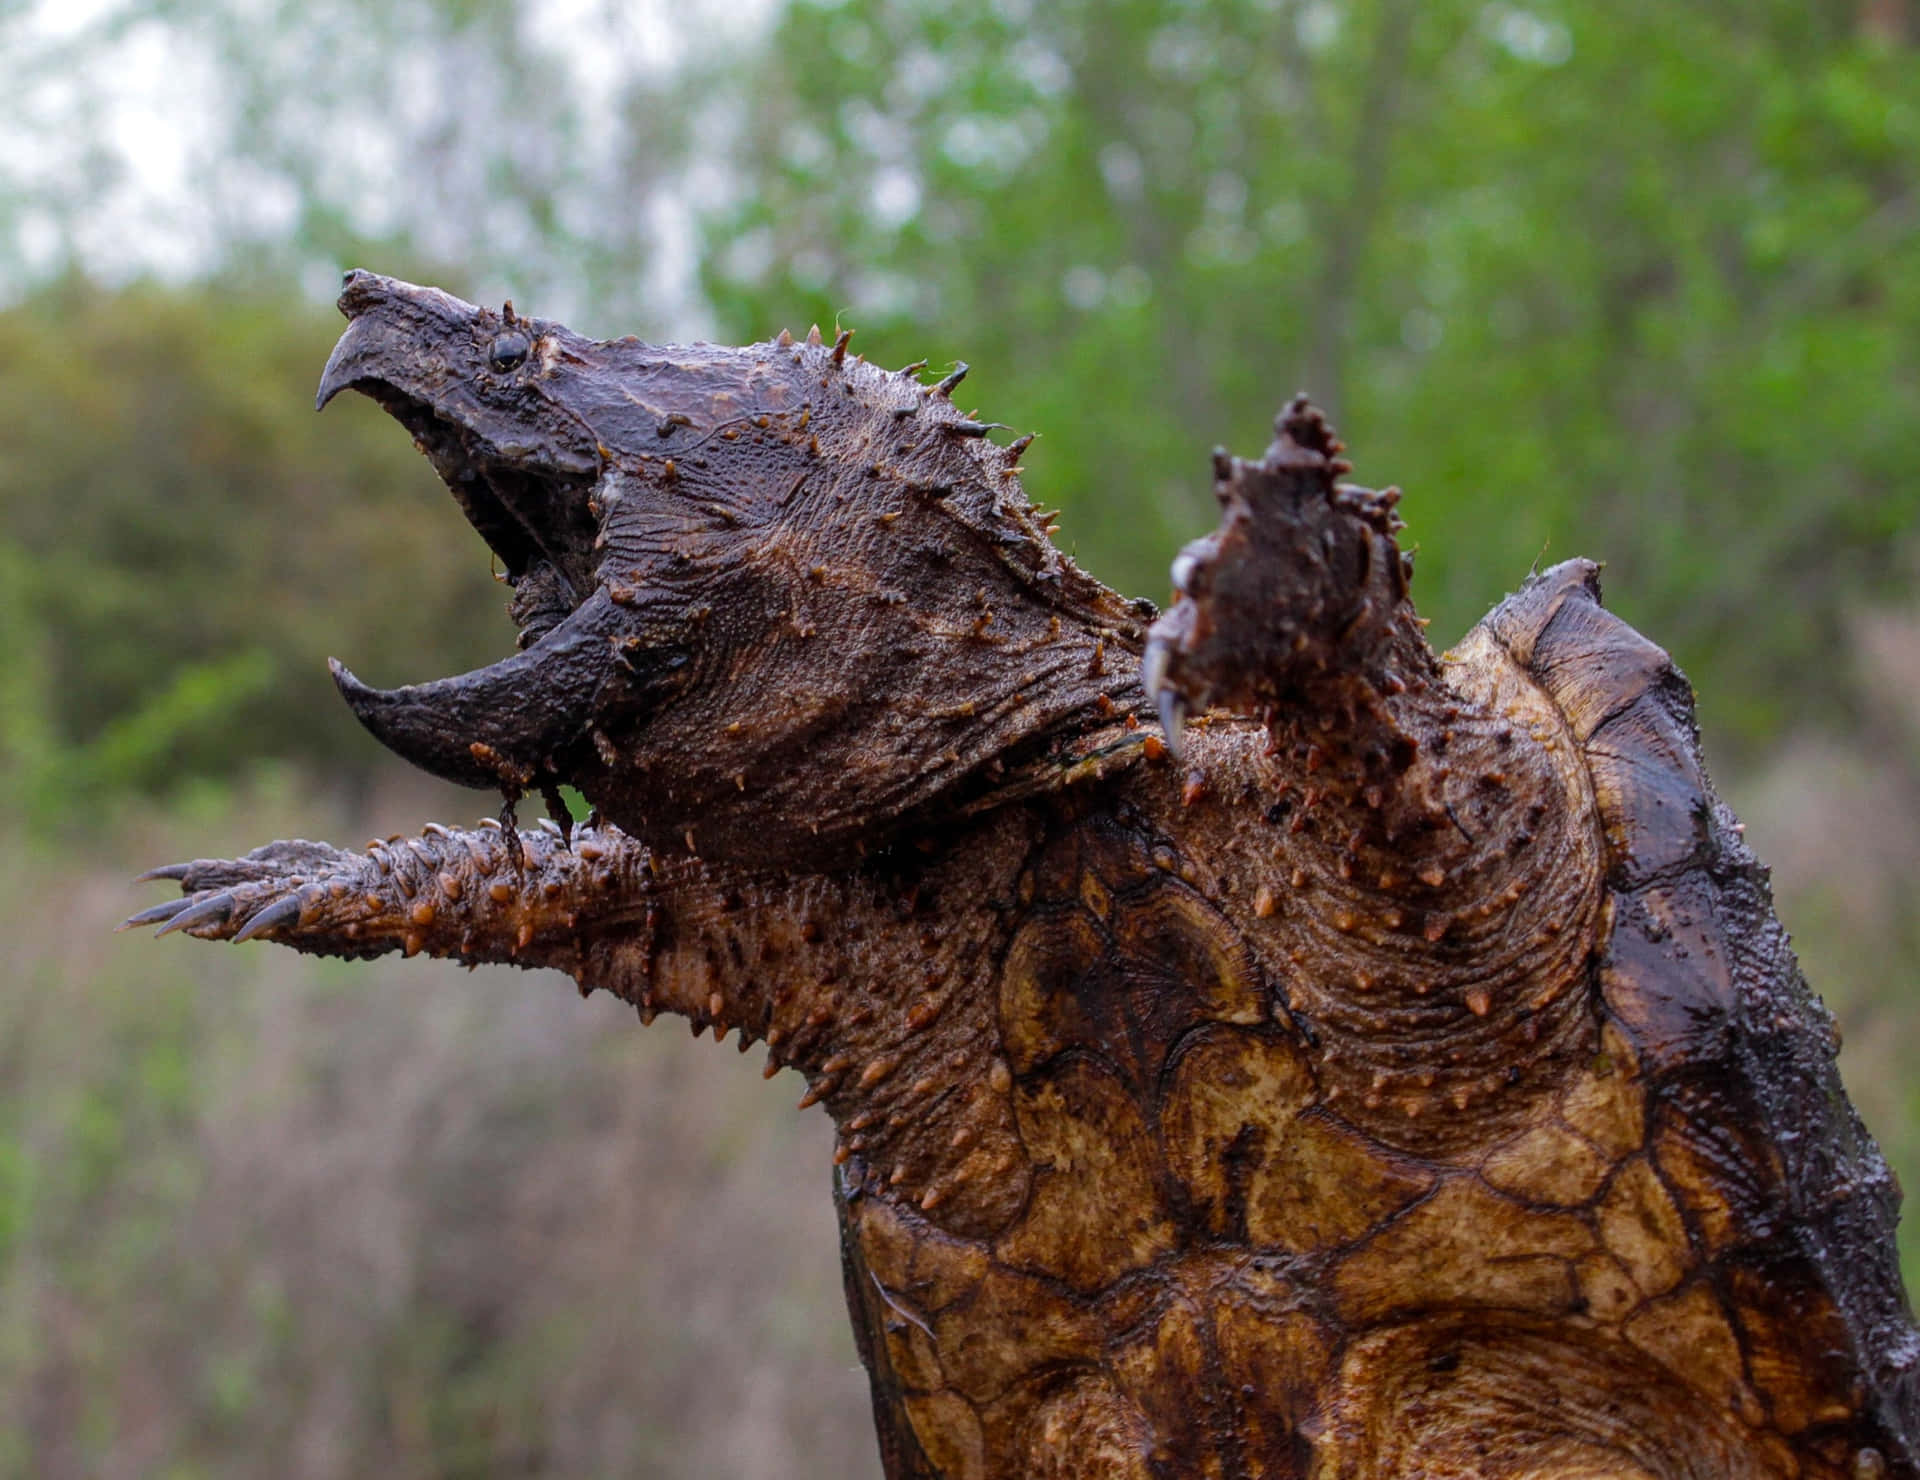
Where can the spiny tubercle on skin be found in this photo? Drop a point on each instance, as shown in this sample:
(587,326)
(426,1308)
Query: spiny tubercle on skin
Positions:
(1383,979)
(1394,886)
(885,1049)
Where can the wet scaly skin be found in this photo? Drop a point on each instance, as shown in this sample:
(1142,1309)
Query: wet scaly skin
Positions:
(1401,1074)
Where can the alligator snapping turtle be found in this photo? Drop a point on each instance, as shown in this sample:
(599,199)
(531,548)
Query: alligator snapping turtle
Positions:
(1397,1070)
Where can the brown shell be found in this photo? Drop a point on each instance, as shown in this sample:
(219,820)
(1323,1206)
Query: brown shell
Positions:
(1222,1269)
(1787,1203)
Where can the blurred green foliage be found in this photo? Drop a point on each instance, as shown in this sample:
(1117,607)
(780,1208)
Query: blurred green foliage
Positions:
(1639,282)
(1634,281)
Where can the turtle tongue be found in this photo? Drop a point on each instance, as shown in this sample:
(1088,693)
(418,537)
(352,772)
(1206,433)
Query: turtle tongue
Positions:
(516,720)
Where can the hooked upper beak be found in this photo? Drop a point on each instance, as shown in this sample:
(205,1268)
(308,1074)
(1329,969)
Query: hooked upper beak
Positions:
(387,318)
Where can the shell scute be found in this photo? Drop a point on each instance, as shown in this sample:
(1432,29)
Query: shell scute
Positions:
(1795,1343)
(1550,1163)
(1271,1344)
(1464,1245)
(1088,1428)
(949,1433)
(1473,1396)
(1259,1164)
(1650,790)
(1640,1224)
(1095,1210)
(1163,1368)
(1689,1334)
(1720,1166)
(1627,706)
(1608,1105)
(1117,958)
(1665,974)
(1230,1102)
(1594,665)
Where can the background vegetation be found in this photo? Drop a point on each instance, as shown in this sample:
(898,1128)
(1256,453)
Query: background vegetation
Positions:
(1633,280)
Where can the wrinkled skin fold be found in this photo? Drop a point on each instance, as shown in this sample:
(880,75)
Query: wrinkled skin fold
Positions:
(1259,1046)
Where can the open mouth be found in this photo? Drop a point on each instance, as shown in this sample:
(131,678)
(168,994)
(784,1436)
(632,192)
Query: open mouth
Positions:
(527,488)
(487,505)
(538,523)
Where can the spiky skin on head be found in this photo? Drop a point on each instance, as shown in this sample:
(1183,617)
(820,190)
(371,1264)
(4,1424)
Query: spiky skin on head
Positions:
(773,598)
(1407,1075)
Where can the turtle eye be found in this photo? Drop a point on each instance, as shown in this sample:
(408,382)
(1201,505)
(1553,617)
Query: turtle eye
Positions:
(509,350)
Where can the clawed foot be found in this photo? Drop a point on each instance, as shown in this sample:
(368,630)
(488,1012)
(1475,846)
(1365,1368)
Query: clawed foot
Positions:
(480,895)
(270,889)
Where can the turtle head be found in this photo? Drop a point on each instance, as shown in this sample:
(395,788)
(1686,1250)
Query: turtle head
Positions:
(770,598)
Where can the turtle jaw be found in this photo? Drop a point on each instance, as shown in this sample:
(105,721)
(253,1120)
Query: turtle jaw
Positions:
(523,721)
(538,521)
(526,478)
(520,720)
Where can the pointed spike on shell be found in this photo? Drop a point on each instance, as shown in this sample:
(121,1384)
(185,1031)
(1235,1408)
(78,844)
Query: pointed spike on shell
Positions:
(785,341)
(840,346)
(952,378)
(914,369)
(813,335)
(1018,445)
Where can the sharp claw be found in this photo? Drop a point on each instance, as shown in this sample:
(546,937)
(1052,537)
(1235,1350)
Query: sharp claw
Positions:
(208,910)
(165,910)
(1172,707)
(284,911)
(1173,719)
(174,871)
(1153,669)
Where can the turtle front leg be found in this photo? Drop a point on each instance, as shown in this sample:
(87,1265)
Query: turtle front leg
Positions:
(664,933)
(1430,834)
(485,895)
(876,986)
